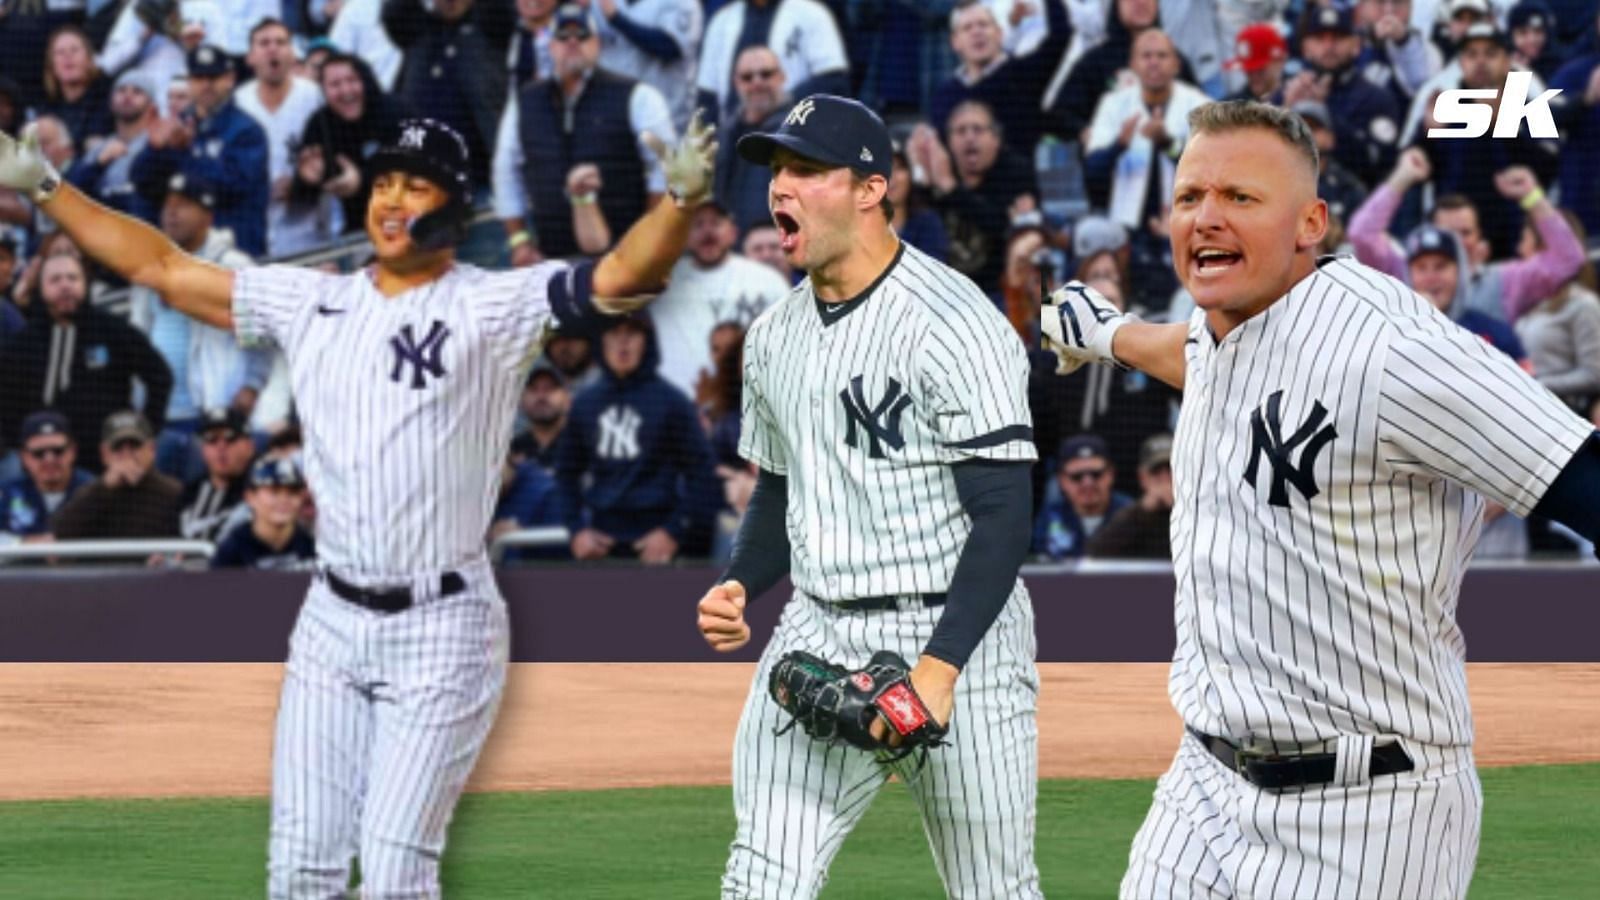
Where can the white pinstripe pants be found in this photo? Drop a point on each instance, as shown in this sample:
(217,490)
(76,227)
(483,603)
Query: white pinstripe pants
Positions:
(380,723)
(1210,834)
(797,799)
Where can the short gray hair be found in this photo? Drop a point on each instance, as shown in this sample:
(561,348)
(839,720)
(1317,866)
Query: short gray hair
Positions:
(1234,115)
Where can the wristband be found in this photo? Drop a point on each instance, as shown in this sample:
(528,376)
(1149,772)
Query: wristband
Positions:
(518,239)
(582,199)
(1533,198)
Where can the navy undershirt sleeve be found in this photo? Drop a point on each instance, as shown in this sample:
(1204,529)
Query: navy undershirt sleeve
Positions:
(998,498)
(571,297)
(761,548)
(1573,499)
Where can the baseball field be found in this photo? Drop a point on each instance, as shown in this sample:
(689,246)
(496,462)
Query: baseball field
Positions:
(149,781)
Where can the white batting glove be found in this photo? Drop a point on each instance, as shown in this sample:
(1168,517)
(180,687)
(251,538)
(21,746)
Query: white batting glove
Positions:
(24,168)
(688,164)
(1078,324)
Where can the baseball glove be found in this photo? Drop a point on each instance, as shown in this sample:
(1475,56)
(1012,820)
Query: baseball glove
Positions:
(837,705)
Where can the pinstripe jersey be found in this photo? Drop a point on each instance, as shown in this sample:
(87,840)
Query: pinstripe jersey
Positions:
(1331,462)
(865,407)
(407,403)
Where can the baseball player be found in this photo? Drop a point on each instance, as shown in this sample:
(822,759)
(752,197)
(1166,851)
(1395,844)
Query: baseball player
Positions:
(885,404)
(1337,441)
(406,376)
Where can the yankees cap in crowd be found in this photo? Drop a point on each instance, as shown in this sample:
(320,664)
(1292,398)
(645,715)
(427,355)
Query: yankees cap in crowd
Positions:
(1155,451)
(1432,239)
(228,419)
(1097,234)
(1336,19)
(1082,446)
(208,61)
(46,421)
(833,130)
(1530,14)
(573,15)
(126,424)
(195,187)
(139,80)
(282,471)
(1257,47)
(1484,31)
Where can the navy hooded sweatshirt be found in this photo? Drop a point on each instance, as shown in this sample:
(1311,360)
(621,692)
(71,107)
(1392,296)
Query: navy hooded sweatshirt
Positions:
(648,464)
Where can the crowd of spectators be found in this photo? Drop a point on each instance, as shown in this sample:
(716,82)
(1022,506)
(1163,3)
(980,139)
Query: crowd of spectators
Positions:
(1036,141)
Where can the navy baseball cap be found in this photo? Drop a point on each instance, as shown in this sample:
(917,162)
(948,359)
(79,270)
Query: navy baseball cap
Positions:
(283,471)
(835,131)
(194,186)
(208,61)
(1432,239)
(1530,14)
(46,421)
(1336,19)
(429,148)
(1082,446)
(230,420)
(1484,31)
(573,15)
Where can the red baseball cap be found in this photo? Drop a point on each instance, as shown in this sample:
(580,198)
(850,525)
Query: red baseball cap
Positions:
(1257,47)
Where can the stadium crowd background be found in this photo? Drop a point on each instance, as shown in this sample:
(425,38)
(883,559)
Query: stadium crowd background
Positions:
(1036,142)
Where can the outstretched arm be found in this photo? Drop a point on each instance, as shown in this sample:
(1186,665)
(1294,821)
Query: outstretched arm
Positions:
(132,249)
(1081,326)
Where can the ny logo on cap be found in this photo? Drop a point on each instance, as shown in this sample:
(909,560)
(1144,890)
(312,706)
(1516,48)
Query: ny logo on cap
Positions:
(413,137)
(801,112)
(866,155)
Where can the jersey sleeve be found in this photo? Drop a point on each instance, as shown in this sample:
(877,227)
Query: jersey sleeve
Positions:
(267,299)
(974,373)
(518,308)
(760,440)
(1453,407)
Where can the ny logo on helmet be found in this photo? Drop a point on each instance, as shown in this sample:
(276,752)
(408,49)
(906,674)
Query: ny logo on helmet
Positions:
(414,137)
(801,112)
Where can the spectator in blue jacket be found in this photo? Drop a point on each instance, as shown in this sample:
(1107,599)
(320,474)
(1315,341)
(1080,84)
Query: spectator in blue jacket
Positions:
(218,141)
(1085,475)
(633,467)
(274,537)
(49,457)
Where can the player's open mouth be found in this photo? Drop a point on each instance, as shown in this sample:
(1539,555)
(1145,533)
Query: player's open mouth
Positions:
(788,230)
(1215,261)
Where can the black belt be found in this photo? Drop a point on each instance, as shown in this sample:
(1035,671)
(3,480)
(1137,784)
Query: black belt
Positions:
(1273,772)
(392,600)
(879,604)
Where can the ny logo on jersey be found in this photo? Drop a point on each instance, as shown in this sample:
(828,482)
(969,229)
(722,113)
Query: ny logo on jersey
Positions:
(619,433)
(881,422)
(423,358)
(1267,438)
(800,113)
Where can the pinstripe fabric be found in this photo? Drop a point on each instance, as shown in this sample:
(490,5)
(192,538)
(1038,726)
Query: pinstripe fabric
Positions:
(1329,470)
(797,799)
(864,411)
(406,404)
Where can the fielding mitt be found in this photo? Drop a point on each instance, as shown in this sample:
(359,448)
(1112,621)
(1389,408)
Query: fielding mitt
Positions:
(836,705)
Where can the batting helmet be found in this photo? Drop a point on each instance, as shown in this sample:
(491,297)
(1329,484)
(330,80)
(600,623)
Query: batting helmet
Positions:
(435,151)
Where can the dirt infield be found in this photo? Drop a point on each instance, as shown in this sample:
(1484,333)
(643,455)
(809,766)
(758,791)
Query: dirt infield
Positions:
(206,730)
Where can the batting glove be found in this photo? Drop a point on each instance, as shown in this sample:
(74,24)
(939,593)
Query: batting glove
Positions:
(1078,325)
(688,164)
(24,168)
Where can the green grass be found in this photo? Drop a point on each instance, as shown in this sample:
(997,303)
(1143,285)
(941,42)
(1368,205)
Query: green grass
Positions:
(1541,839)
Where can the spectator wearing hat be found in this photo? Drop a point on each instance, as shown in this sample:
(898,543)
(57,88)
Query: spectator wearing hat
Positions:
(764,101)
(1395,54)
(454,70)
(546,401)
(210,369)
(1085,475)
(76,358)
(272,538)
(1436,267)
(130,499)
(1343,192)
(710,285)
(216,140)
(214,502)
(1455,17)
(106,171)
(75,90)
(803,33)
(282,103)
(980,186)
(1366,115)
(1533,42)
(1012,86)
(584,117)
(49,461)
(1142,530)
(1577,114)
(1260,53)
(356,117)
(633,466)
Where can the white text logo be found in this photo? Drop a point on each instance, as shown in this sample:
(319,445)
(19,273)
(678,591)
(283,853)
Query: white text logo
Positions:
(1460,117)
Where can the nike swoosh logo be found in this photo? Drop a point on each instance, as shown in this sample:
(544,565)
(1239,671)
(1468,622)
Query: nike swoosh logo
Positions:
(328,311)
